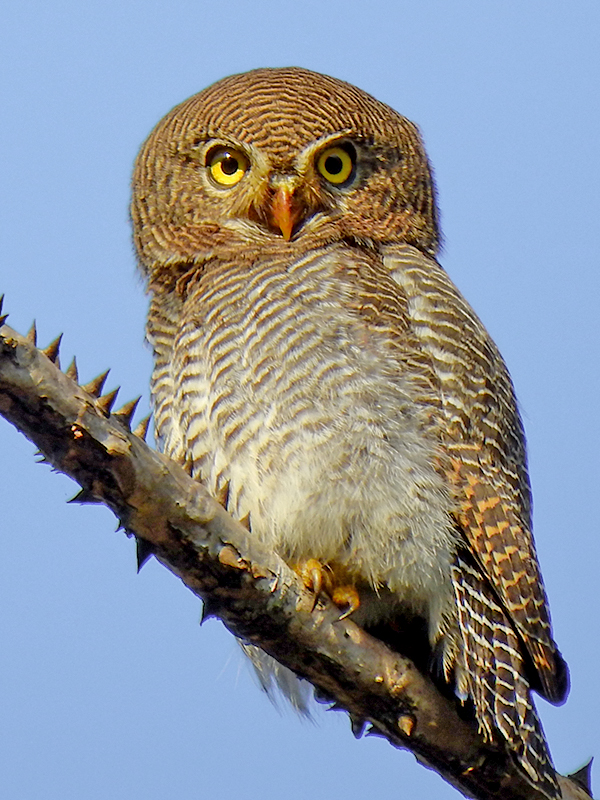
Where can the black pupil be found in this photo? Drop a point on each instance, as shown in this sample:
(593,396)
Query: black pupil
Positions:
(334,165)
(229,165)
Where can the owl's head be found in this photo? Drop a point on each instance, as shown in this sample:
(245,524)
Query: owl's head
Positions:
(279,158)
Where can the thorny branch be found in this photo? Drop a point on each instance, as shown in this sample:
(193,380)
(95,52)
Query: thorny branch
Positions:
(256,595)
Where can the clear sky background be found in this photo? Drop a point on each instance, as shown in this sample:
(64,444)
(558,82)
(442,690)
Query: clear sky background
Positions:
(108,687)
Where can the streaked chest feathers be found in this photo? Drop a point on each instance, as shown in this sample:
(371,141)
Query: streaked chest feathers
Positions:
(306,393)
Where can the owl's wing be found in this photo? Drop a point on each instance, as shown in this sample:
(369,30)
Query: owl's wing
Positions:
(484,439)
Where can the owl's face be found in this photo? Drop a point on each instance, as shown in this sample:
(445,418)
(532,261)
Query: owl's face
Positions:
(279,159)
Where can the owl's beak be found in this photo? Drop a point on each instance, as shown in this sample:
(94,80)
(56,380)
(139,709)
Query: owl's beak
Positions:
(284,212)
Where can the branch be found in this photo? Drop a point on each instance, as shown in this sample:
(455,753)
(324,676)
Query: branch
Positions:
(257,596)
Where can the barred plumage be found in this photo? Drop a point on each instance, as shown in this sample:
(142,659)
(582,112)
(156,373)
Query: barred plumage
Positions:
(327,381)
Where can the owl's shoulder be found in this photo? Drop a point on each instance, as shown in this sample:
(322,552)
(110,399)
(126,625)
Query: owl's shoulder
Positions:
(476,388)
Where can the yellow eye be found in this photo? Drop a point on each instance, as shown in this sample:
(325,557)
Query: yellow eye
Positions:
(335,164)
(227,166)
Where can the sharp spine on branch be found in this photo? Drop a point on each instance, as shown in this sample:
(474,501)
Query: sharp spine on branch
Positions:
(72,372)
(4,317)
(107,401)
(32,334)
(245,521)
(210,608)
(51,351)
(583,777)
(84,496)
(141,430)
(358,725)
(126,412)
(222,496)
(94,387)
(143,551)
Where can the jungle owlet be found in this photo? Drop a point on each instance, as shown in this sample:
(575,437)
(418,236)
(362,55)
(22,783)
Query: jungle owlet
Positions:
(319,368)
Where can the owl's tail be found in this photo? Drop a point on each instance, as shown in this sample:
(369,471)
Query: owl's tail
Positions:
(275,679)
(495,676)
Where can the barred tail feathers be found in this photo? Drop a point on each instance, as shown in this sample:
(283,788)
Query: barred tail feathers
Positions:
(495,676)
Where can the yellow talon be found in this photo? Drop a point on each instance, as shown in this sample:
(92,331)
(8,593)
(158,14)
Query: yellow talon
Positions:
(346,596)
(315,577)
(321,578)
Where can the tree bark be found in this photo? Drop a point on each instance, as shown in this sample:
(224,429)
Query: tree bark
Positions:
(256,595)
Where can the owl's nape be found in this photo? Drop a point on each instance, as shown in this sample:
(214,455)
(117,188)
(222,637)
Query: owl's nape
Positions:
(327,380)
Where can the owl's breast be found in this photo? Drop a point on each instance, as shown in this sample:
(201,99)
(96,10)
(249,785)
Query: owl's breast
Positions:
(312,407)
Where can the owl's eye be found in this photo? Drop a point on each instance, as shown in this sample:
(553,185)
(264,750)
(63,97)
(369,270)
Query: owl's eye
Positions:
(227,166)
(335,164)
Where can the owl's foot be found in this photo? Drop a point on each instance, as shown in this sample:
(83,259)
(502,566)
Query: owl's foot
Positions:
(316,577)
(346,597)
(319,578)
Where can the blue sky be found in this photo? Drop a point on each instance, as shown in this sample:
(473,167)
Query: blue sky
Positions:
(108,687)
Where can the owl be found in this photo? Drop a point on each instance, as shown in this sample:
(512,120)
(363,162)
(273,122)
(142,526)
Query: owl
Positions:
(332,388)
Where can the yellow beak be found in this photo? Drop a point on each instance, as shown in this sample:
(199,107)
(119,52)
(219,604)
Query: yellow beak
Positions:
(284,213)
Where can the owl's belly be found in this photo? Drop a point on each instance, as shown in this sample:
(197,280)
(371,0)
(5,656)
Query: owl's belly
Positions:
(315,422)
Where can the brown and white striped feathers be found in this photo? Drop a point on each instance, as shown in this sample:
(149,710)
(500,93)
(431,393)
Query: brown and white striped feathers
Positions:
(319,368)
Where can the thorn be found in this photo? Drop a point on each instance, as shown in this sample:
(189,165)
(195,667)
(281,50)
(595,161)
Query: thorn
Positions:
(72,372)
(222,496)
(126,412)
(143,551)
(107,401)
(51,351)
(406,723)
(245,521)
(141,430)
(209,609)
(583,777)
(1,302)
(84,496)
(94,387)
(358,725)
(32,334)
(3,319)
